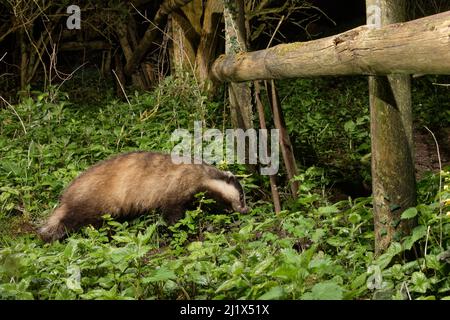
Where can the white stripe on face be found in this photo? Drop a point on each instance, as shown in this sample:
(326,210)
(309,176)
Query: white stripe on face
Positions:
(226,190)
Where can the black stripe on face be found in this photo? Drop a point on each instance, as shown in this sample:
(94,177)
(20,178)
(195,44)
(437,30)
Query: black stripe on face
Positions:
(235,183)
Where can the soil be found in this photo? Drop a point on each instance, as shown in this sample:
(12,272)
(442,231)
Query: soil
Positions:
(426,160)
(426,155)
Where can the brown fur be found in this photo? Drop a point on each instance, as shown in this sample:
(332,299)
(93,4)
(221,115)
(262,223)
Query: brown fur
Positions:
(134,183)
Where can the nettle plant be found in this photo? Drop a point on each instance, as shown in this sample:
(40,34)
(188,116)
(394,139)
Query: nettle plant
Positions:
(313,249)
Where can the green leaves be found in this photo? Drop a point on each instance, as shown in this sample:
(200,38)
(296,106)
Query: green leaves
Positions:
(337,241)
(394,249)
(409,213)
(73,282)
(229,284)
(354,218)
(16,291)
(326,211)
(350,126)
(418,233)
(314,249)
(420,283)
(325,291)
(295,255)
(161,275)
(273,294)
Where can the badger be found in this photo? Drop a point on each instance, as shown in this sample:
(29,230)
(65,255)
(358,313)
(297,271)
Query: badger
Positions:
(135,183)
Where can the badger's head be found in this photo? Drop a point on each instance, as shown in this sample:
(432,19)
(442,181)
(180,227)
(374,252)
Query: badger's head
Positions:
(228,190)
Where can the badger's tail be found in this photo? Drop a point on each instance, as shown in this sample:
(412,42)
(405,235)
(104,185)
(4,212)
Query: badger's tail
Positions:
(54,228)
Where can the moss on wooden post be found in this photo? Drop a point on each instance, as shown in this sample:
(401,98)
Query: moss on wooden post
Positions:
(235,42)
(393,177)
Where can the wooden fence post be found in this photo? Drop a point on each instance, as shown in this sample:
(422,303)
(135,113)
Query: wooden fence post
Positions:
(393,176)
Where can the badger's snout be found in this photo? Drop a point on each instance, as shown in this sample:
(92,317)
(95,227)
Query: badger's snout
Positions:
(244,210)
(241,209)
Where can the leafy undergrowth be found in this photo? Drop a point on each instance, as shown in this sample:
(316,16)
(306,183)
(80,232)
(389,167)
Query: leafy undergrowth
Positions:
(312,250)
(316,253)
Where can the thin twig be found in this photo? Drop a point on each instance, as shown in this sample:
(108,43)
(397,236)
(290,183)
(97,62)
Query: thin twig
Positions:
(262,124)
(279,124)
(440,184)
(70,75)
(121,87)
(15,112)
(184,52)
(405,285)
(426,246)
(275,32)
(173,40)
(441,84)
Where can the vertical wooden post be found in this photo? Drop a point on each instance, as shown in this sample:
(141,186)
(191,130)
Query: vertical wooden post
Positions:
(393,176)
(262,125)
(287,149)
(182,49)
(209,41)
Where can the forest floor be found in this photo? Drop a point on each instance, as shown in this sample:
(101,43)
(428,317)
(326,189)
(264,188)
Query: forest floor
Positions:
(426,155)
(316,248)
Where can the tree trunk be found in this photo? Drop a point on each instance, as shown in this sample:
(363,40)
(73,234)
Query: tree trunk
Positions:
(418,46)
(150,34)
(235,43)
(24,60)
(183,51)
(106,64)
(209,39)
(126,33)
(393,177)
